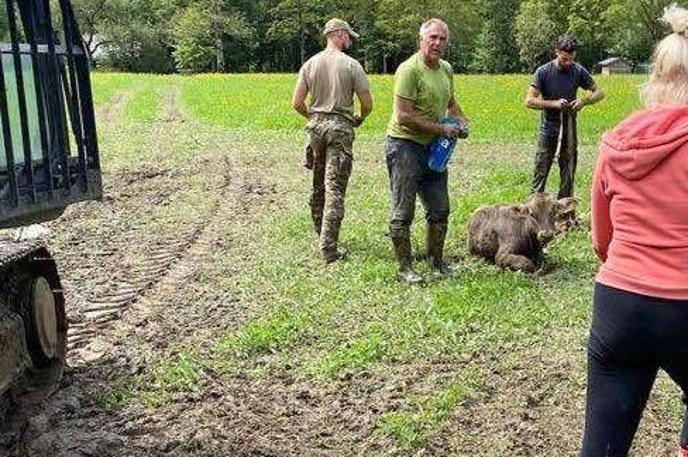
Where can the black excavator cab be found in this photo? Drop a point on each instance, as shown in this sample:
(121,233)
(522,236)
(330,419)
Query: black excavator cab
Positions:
(49,161)
(48,129)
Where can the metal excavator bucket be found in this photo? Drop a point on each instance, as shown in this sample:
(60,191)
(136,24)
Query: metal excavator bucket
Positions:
(49,160)
(48,129)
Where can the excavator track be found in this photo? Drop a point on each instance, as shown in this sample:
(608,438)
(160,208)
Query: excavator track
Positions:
(33,326)
(12,252)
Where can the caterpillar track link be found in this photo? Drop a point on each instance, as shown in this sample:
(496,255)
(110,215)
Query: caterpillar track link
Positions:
(33,325)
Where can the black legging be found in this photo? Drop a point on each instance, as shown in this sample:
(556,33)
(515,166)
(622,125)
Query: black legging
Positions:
(632,336)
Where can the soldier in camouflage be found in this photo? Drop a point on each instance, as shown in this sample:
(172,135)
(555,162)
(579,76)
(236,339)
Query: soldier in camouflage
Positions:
(331,78)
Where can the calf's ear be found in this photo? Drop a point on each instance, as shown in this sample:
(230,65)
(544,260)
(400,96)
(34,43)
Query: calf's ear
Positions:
(568,204)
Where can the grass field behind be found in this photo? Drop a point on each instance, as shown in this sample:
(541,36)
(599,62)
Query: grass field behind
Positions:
(349,319)
(494,104)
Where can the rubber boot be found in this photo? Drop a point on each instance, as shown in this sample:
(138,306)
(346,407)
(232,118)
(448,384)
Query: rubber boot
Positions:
(333,256)
(436,232)
(402,248)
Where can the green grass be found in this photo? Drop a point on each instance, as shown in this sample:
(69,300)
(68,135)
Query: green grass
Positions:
(494,104)
(106,85)
(354,315)
(146,103)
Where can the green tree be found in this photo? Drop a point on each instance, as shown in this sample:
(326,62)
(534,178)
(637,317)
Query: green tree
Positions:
(535,32)
(94,17)
(278,35)
(297,24)
(634,27)
(201,33)
(133,33)
(587,24)
(495,46)
(362,14)
(399,23)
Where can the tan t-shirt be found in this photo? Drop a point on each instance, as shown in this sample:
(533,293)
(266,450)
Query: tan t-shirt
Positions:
(332,77)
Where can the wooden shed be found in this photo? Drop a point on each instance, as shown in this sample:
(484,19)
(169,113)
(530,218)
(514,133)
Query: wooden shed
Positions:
(615,65)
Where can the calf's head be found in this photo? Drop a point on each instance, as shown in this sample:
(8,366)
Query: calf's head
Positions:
(552,215)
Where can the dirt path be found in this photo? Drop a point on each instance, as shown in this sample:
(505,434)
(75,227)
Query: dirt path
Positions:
(113,110)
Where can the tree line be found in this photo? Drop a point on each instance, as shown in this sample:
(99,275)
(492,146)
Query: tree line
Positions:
(486,36)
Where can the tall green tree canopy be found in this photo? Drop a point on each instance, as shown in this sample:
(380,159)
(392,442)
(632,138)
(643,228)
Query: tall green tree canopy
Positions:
(535,32)
(495,46)
(492,36)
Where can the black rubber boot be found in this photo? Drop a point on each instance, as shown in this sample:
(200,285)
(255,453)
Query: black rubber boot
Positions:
(333,256)
(402,248)
(436,232)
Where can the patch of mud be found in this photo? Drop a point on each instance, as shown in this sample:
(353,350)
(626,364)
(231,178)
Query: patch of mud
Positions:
(66,424)
(532,404)
(287,416)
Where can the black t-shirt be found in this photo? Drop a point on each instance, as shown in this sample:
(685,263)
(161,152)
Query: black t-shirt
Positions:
(554,84)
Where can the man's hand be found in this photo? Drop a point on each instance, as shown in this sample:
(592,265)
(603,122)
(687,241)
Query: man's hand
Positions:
(577,105)
(562,104)
(463,125)
(451,130)
(298,99)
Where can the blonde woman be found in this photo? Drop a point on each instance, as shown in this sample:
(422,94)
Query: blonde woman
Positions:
(640,233)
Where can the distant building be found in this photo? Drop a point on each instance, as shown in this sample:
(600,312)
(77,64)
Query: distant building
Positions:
(642,67)
(615,65)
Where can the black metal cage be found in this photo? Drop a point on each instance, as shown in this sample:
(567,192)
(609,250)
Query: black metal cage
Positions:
(48,126)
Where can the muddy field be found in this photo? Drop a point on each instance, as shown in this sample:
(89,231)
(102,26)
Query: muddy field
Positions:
(151,276)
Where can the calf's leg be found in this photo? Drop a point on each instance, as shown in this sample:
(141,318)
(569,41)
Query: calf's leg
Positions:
(507,259)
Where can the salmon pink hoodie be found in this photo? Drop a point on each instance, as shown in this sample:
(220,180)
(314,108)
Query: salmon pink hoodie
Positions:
(640,204)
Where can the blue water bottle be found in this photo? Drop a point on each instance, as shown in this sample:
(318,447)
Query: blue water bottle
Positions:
(441,149)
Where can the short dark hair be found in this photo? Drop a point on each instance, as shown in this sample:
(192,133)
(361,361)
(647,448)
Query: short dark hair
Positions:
(567,43)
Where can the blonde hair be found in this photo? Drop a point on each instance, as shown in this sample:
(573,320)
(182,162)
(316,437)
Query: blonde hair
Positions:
(426,25)
(668,82)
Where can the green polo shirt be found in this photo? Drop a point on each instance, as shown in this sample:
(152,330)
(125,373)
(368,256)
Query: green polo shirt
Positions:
(429,89)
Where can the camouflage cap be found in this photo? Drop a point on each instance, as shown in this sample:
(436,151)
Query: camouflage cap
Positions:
(335,24)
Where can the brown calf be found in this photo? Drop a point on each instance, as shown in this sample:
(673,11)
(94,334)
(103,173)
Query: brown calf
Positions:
(512,236)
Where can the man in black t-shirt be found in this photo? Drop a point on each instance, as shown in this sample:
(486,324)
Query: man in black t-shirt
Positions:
(554,90)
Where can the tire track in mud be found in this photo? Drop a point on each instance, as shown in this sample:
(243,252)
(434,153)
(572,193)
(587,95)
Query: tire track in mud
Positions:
(99,312)
(159,258)
(175,256)
(168,262)
(111,112)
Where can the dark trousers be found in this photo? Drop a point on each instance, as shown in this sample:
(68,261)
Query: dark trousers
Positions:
(409,175)
(563,143)
(631,337)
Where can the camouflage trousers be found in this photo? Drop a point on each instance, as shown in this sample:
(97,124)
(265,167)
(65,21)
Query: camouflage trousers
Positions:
(563,144)
(330,140)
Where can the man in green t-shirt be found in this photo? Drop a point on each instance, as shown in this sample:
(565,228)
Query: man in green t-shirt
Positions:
(423,96)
